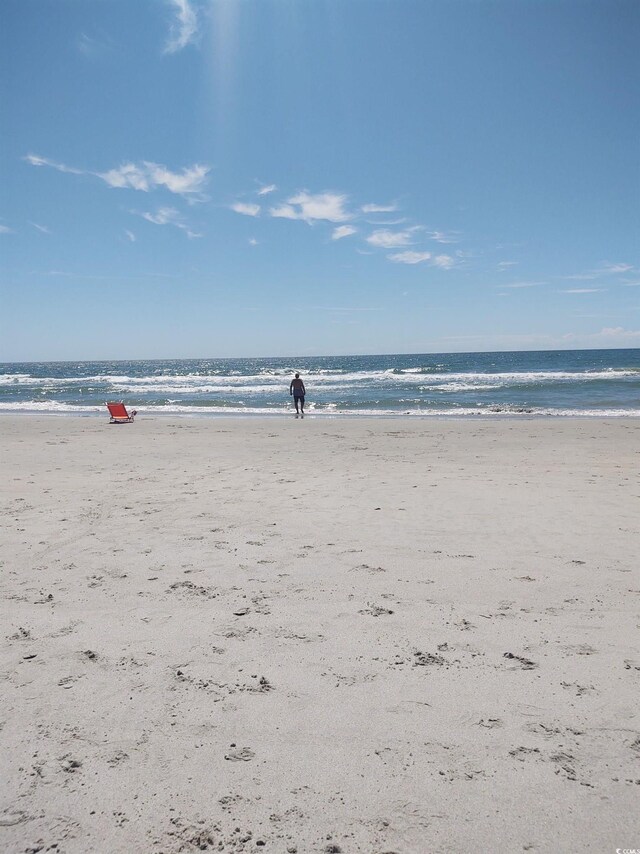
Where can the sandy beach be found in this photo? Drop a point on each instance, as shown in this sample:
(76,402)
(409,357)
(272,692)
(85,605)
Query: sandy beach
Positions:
(320,636)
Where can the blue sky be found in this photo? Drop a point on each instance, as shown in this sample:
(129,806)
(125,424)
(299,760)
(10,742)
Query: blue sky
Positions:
(193,178)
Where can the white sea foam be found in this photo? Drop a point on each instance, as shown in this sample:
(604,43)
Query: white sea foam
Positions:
(324,378)
(57,407)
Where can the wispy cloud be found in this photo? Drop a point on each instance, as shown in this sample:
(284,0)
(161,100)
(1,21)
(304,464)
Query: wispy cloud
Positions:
(266,189)
(163,216)
(343,231)
(611,334)
(522,285)
(147,176)
(94,47)
(130,235)
(445,262)
(36,160)
(245,208)
(4,229)
(42,228)
(312,208)
(409,257)
(252,241)
(605,269)
(184,28)
(582,290)
(612,269)
(444,236)
(168,216)
(372,208)
(144,176)
(385,239)
(504,265)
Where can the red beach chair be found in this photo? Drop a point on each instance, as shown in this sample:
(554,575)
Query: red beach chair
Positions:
(119,414)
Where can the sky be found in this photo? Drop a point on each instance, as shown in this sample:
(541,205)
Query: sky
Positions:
(211,178)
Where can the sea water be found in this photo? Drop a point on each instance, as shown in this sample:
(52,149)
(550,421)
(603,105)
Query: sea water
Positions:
(559,383)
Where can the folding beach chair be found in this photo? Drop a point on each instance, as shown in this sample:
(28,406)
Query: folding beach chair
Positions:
(119,414)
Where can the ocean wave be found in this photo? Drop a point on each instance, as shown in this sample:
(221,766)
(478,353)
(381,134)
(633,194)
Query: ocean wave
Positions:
(322,378)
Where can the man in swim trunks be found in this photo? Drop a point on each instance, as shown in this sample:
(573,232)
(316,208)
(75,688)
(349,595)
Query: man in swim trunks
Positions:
(297,389)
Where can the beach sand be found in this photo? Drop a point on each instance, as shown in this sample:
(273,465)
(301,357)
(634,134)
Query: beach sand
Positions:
(320,636)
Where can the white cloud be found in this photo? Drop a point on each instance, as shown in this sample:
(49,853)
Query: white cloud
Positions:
(504,265)
(320,206)
(604,270)
(4,229)
(42,228)
(619,333)
(378,208)
(94,46)
(445,262)
(443,236)
(184,28)
(36,160)
(130,235)
(522,285)
(386,239)
(311,208)
(409,257)
(582,290)
(245,208)
(147,176)
(284,212)
(343,231)
(168,216)
(610,334)
(609,269)
(143,176)
(268,188)
(163,216)
(252,241)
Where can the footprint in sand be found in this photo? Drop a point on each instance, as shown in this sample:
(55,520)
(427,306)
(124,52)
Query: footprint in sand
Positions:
(524,663)
(375,610)
(242,754)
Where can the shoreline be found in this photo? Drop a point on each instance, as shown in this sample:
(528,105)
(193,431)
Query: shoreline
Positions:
(141,415)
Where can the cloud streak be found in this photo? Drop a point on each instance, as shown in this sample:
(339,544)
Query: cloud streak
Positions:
(245,208)
(343,231)
(144,176)
(311,208)
(147,176)
(184,28)
(409,257)
(36,160)
(167,216)
(372,208)
(385,239)
(444,236)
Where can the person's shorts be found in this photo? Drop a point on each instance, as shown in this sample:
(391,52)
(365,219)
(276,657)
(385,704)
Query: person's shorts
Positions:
(298,398)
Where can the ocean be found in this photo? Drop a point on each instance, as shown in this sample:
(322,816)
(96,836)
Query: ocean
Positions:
(546,383)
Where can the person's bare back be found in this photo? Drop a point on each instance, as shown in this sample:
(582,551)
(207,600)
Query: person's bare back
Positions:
(297,389)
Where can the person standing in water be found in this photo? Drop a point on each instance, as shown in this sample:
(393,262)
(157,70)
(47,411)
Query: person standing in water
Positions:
(297,389)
